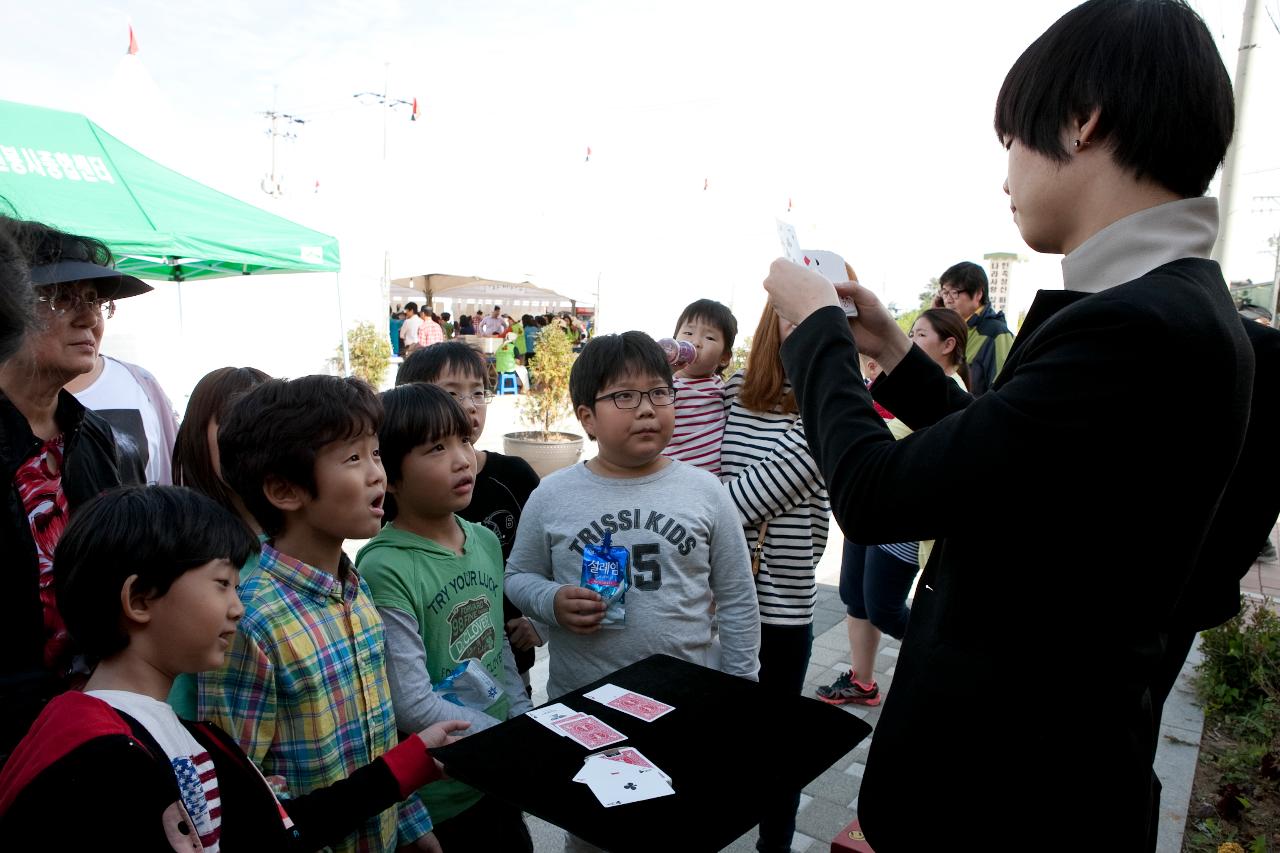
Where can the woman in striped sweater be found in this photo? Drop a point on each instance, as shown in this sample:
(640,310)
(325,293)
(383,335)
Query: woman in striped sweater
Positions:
(782,501)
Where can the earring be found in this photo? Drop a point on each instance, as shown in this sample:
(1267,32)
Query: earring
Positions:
(1080,144)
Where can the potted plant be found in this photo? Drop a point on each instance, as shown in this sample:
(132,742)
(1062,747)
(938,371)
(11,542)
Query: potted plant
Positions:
(546,404)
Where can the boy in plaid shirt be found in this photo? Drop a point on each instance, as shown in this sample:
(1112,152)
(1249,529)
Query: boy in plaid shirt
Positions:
(304,690)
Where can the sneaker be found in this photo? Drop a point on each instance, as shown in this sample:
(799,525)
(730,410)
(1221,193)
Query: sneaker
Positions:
(846,691)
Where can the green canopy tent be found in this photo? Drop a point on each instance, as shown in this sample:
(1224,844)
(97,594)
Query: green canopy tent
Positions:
(62,169)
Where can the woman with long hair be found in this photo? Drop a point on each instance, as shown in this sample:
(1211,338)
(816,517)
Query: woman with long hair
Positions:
(197,465)
(782,501)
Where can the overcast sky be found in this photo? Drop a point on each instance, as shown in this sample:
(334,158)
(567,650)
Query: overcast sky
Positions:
(872,120)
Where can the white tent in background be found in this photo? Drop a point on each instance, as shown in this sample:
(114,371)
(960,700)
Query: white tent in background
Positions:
(482,293)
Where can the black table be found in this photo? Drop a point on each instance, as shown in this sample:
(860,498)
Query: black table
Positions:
(729,746)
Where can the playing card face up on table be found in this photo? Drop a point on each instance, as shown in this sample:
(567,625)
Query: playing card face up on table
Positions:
(621,776)
(666,714)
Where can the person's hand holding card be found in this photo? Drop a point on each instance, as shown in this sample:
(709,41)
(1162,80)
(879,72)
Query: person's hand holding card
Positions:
(834,269)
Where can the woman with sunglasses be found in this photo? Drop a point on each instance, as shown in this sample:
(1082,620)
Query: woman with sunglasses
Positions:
(55,454)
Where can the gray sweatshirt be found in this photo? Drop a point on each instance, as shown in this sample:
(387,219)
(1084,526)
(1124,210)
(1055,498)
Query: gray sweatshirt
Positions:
(687,552)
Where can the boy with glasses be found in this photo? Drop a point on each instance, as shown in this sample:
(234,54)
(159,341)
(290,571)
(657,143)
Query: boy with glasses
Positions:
(687,552)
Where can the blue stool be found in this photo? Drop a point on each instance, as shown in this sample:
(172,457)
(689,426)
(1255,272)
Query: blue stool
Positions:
(507,384)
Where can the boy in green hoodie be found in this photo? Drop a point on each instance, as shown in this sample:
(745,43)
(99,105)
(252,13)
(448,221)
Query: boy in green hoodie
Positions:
(436,580)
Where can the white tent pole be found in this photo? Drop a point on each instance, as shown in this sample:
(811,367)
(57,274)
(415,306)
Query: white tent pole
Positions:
(342,326)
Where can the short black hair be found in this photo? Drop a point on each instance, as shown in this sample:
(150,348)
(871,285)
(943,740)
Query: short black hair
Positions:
(967,277)
(718,315)
(277,429)
(155,532)
(415,414)
(426,365)
(607,357)
(446,316)
(1153,71)
(411,306)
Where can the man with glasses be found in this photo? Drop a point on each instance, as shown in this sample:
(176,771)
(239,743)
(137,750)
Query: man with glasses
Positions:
(964,290)
(55,455)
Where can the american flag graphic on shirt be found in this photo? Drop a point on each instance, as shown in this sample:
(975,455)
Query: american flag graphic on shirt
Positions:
(199,786)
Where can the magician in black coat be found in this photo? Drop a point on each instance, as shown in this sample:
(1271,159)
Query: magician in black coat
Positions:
(1020,701)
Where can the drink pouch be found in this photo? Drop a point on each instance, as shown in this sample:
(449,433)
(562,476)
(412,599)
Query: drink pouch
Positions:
(469,685)
(679,353)
(604,571)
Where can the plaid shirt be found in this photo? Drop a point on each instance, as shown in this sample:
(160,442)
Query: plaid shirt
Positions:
(430,333)
(304,690)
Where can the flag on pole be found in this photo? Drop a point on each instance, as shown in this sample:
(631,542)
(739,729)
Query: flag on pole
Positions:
(413,116)
(133,42)
(705,182)
(588,160)
(788,204)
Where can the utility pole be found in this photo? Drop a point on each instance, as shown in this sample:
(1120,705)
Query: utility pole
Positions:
(384,100)
(272,184)
(1231,168)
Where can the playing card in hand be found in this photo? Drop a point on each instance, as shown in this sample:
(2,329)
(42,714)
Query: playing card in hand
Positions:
(790,245)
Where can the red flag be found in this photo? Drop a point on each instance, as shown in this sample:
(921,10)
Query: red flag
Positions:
(133,42)
(788,205)
(588,160)
(413,116)
(317,189)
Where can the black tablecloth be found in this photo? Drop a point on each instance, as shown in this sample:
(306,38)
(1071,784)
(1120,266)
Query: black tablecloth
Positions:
(729,746)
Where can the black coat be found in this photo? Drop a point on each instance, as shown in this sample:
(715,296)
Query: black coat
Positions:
(1019,702)
(91,465)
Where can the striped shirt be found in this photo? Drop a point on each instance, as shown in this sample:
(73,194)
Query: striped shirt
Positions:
(700,419)
(773,479)
(304,690)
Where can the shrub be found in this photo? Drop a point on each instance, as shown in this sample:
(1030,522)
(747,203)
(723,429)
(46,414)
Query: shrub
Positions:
(370,353)
(548,399)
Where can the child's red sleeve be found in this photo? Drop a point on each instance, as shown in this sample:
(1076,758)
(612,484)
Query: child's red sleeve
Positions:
(411,764)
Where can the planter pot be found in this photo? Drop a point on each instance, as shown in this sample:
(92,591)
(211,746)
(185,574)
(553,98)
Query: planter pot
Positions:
(545,455)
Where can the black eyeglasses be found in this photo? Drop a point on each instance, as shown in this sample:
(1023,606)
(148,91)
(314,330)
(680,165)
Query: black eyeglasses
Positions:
(630,398)
(477,398)
(62,300)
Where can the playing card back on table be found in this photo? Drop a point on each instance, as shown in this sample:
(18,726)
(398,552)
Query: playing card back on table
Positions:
(629,702)
(590,732)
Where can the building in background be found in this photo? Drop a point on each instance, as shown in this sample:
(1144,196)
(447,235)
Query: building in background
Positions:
(998,268)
